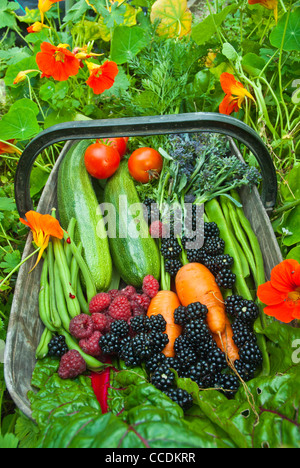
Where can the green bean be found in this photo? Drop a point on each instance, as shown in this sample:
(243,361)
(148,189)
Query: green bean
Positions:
(91,362)
(70,231)
(214,212)
(88,279)
(241,254)
(60,299)
(65,277)
(43,308)
(240,234)
(81,298)
(42,349)
(53,309)
(75,268)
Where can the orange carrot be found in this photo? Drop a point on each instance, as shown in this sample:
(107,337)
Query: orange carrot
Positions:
(226,343)
(195,283)
(164,303)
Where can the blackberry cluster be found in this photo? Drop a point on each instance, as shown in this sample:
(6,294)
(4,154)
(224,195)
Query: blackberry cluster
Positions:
(136,342)
(170,248)
(172,266)
(244,313)
(225,278)
(57,346)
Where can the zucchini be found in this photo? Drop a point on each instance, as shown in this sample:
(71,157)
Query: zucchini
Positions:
(133,257)
(77,199)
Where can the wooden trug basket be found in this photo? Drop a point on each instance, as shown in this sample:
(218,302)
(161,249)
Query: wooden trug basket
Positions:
(25,327)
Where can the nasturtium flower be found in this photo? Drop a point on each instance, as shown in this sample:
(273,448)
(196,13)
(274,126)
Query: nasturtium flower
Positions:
(36,27)
(42,227)
(82,53)
(9,147)
(21,76)
(235,94)
(281,294)
(269,4)
(57,62)
(45,5)
(102,77)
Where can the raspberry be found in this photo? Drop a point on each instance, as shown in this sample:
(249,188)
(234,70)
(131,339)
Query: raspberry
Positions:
(157,230)
(81,326)
(142,300)
(129,291)
(71,365)
(136,309)
(150,286)
(113,293)
(99,303)
(91,345)
(100,321)
(120,308)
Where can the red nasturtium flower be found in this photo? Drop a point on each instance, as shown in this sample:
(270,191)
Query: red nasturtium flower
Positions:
(235,94)
(6,148)
(282,293)
(57,62)
(269,4)
(102,77)
(42,227)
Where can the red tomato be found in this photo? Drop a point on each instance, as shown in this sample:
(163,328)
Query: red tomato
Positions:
(101,161)
(119,143)
(145,164)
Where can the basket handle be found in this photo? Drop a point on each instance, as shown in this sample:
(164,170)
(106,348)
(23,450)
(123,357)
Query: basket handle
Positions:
(146,126)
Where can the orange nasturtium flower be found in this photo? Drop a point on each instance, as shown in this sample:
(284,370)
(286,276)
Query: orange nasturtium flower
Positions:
(42,227)
(102,77)
(282,293)
(45,5)
(36,27)
(9,147)
(235,94)
(269,4)
(21,76)
(57,62)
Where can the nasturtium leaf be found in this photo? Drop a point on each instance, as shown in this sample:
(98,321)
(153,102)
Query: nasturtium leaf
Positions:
(127,42)
(38,179)
(229,51)
(287,31)
(203,31)
(25,103)
(129,19)
(253,64)
(292,224)
(7,17)
(294,253)
(7,204)
(19,124)
(27,63)
(174,16)
(290,189)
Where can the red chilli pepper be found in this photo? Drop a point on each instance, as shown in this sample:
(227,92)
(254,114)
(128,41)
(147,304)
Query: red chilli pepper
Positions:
(100,385)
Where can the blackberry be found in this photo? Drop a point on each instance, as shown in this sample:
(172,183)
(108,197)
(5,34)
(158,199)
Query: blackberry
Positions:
(173,363)
(250,353)
(207,380)
(119,328)
(154,361)
(197,370)
(211,230)
(180,315)
(247,311)
(57,346)
(225,279)
(245,370)
(162,377)
(142,346)
(196,311)
(221,261)
(181,397)
(193,255)
(217,359)
(170,248)
(231,302)
(228,384)
(158,340)
(157,323)
(242,333)
(129,353)
(140,323)
(206,347)
(214,246)
(109,343)
(197,332)
(152,210)
(185,351)
(172,266)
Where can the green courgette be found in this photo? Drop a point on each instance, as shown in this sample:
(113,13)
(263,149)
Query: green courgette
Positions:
(134,254)
(77,199)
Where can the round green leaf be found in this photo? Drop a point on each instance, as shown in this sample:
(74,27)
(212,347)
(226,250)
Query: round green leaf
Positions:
(127,42)
(19,124)
(291,22)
